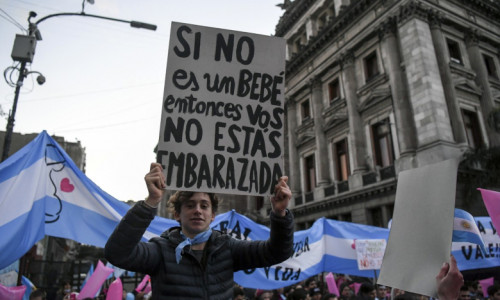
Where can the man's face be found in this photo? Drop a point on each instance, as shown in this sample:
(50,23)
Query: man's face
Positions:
(346,291)
(464,295)
(381,292)
(312,284)
(196,214)
(266,296)
(372,294)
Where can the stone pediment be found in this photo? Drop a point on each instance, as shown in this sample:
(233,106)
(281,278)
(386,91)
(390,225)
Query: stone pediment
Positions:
(305,132)
(374,97)
(335,113)
(468,86)
(304,138)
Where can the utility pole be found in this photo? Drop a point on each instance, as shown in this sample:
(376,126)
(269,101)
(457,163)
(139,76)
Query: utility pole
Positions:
(24,50)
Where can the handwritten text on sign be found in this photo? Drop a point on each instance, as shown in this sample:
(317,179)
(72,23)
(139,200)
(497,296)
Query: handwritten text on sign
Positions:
(370,253)
(223,111)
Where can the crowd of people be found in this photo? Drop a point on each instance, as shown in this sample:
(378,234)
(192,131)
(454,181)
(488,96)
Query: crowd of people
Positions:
(192,261)
(315,288)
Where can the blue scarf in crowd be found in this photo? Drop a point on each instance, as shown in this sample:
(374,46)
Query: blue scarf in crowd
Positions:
(198,239)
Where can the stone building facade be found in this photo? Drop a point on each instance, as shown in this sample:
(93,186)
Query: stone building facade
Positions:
(376,87)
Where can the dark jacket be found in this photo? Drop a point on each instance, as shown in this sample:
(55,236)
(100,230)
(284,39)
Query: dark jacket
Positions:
(212,278)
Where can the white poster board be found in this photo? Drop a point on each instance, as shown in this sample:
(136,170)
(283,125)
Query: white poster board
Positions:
(223,111)
(370,253)
(422,227)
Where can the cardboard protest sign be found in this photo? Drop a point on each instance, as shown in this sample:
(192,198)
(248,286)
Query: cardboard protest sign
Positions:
(223,111)
(370,253)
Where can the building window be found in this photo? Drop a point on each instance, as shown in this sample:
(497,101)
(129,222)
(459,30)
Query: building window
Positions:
(454,51)
(382,143)
(259,203)
(375,215)
(342,160)
(299,42)
(346,217)
(310,173)
(334,90)
(490,66)
(371,66)
(305,110)
(472,129)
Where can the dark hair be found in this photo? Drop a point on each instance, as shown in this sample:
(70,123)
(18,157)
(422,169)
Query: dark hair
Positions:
(492,289)
(37,293)
(407,296)
(237,291)
(328,296)
(310,279)
(299,294)
(176,200)
(366,288)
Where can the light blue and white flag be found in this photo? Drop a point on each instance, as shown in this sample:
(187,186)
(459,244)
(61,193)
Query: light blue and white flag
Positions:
(328,246)
(465,229)
(42,192)
(471,255)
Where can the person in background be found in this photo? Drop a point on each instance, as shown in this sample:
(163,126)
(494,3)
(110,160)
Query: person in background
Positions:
(193,261)
(315,293)
(479,294)
(279,294)
(264,295)
(37,294)
(464,293)
(366,292)
(238,293)
(381,292)
(345,291)
(329,297)
(300,294)
(494,292)
(310,284)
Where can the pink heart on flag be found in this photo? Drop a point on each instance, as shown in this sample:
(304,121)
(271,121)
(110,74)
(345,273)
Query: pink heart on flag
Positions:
(66,186)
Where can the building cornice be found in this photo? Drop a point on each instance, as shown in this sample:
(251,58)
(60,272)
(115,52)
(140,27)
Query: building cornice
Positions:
(296,10)
(348,198)
(408,10)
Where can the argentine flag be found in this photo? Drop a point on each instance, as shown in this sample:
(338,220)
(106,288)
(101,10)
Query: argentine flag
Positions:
(42,192)
(465,229)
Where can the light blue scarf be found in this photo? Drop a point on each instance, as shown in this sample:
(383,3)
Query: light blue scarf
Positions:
(198,239)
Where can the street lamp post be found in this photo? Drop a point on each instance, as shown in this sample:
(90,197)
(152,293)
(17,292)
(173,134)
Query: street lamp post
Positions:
(24,50)
(33,36)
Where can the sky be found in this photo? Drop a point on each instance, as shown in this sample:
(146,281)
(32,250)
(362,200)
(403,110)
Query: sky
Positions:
(104,80)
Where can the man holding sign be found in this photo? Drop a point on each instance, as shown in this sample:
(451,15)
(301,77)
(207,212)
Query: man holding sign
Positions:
(193,261)
(221,131)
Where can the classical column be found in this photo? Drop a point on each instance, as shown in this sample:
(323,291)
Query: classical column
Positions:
(294,176)
(425,89)
(357,144)
(448,87)
(319,124)
(403,114)
(477,64)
